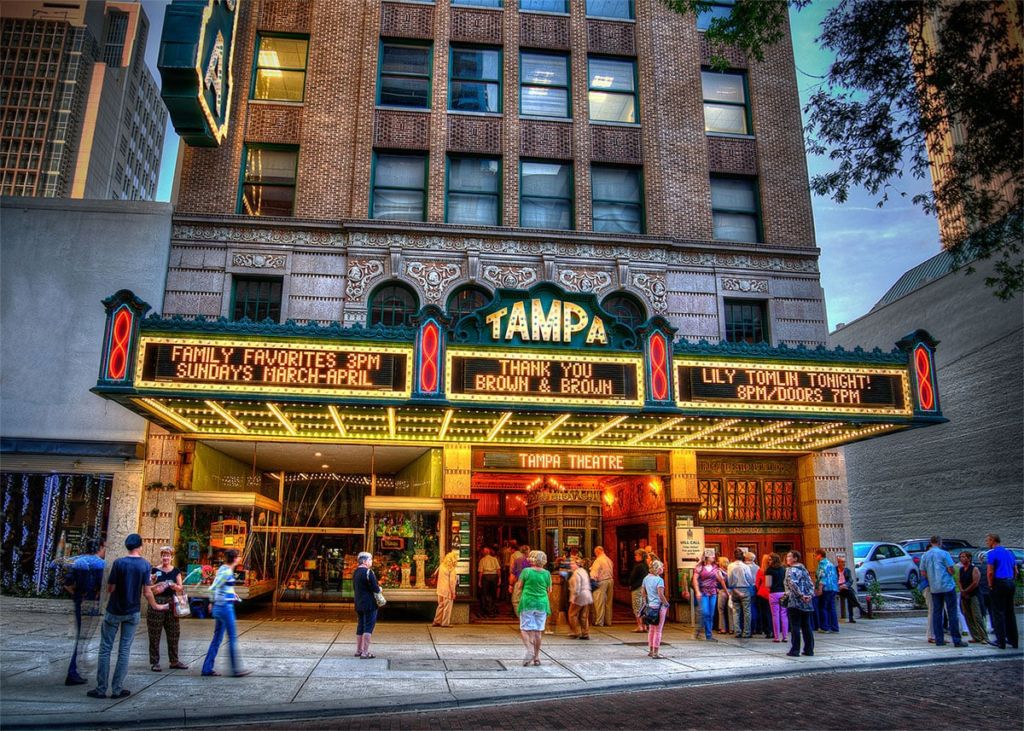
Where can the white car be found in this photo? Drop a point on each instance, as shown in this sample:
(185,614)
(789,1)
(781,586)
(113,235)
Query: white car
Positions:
(887,563)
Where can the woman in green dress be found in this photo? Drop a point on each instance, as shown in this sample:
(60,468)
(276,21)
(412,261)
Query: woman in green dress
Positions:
(534,606)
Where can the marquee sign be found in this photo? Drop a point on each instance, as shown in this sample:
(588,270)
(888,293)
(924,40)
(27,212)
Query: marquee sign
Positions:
(785,387)
(208,364)
(195,63)
(511,377)
(603,462)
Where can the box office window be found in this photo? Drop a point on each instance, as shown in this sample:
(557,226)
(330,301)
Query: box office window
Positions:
(725,102)
(746,321)
(404,75)
(280,73)
(612,90)
(544,85)
(256,298)
(545,195)
(399,187)
(268,180)
(475,83)
(735,213)
(619,9)
(617,199)
(474,184)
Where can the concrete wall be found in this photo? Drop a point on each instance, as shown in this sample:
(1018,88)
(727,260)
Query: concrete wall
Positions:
(58,260)
(961,479)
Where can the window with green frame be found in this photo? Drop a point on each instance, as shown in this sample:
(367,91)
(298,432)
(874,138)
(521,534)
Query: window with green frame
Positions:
(735,211)
(474,184)
(404,75)
(545,6)
(399,186)
(392,304)
(268,180)
(717,9)
(478,3)
(612,84)
(255,298)
(475,80)
(544,85)
(617,195)
(725,102)
(619,9)
(280,73)
(465,300)
(545,195)
(746,321)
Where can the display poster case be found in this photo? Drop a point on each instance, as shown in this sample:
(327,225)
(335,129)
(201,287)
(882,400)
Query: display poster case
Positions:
(461,537)
(207,524)
(404,535)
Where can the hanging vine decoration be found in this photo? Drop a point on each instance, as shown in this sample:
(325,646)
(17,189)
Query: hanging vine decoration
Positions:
(57,580)
(44,536)
(5,581)
(18,579)
(101,490)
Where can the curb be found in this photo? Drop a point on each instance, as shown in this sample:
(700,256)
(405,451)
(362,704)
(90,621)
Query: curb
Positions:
(278,713)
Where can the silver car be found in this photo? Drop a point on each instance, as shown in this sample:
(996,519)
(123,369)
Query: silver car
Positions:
(887,563)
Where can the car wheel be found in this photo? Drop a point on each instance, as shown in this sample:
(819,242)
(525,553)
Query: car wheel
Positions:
(913,580)
(869,578)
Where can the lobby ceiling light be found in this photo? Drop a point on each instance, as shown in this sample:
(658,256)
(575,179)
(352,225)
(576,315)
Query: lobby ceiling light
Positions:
(227,417)
(171,416)
(392,429)
(656,429)
(282,418)
(602,429)
(498,425)
(445,423)
(543,433)
(336,418)
(749,435)
(706,431)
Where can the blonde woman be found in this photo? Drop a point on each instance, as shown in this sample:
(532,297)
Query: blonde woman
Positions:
(654,595)
(534,605)
(447,580)
(723,599)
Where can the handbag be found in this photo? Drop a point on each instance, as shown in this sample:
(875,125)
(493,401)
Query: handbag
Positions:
(650,615)
(181,606)
(378,595)
(594,583)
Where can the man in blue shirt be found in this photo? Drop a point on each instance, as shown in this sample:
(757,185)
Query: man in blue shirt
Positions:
(130,579)
(827,580)
(937,567)
(85,582)
(1001,567)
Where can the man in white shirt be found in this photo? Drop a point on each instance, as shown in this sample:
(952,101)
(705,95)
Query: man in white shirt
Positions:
(741,588)
(601,571)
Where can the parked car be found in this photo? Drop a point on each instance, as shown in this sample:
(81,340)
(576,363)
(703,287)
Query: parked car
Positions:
(917,546)
(887,563)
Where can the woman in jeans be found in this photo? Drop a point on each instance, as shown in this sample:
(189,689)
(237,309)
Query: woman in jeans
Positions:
(222,593)
(775,580)
(654,595)
(799,593)
(707,580)
(364,586)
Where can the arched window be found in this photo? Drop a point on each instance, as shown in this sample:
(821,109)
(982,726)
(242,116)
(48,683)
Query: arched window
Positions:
(392,304)
(626,309)
(467,299)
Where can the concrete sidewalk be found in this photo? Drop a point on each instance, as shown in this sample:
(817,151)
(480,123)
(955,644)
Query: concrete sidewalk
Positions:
(307,669)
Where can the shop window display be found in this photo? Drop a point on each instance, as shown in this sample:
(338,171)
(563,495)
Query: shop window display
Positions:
(405,548)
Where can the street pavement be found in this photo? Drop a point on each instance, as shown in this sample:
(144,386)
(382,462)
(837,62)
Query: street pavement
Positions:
(306,669)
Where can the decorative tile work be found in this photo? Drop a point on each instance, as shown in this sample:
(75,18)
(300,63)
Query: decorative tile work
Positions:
(277,123)
(398,20)
(609,37)
(616,144)
(543,31)
(732,156)
(476,26)
(474,134)
(545,139)
(401,130)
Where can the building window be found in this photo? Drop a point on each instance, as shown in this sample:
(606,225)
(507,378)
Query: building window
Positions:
(545,195)
(545,6)
(625,308)
(404,76)
(473,191)
(544,85)
(718,9)
(710,492)
(280,68)
(746,321)
(725,103)
(478,3)
(475,80)
(742,504)
(399,187)
(466,300)
(612,90)
(392,304)
(268,181)
(621,9)
(734,209)
(256,298)
(617,199)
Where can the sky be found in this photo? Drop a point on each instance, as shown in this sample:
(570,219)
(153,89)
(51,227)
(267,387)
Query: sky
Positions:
(864,248)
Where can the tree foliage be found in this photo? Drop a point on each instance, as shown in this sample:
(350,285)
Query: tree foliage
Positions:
(905,73)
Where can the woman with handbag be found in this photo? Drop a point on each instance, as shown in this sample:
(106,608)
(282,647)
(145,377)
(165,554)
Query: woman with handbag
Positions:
(447,580)
(366,589)
(707,581)
(799,606)
(166,584)
(655,601)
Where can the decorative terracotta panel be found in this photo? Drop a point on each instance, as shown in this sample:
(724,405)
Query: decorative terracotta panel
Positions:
(286,16)
(610,37)
(474,134)
(545,139)
(476,26)
(398,20)
(273,123)
(543,31)
(615,144)
(732,156)
(731,54)
(402,130)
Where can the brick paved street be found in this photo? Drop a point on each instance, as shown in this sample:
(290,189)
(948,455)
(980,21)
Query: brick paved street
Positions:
(879,699)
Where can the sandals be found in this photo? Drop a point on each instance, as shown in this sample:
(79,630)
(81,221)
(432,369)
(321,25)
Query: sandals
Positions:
(536,662)
(367,656)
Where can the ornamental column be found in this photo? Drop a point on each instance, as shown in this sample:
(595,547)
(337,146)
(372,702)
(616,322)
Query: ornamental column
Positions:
(824,505)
